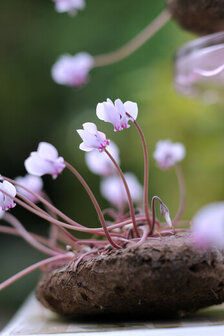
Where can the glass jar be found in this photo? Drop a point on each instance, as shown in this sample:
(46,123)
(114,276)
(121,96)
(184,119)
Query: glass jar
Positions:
(199,68)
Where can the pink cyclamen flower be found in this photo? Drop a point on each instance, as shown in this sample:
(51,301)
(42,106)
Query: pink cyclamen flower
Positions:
(7,202)
(208,226)
(72,70)
(33,183)
(45,161)
(112,189)
(92,138)
(168,153)
(117,113)
(100,163)
(70,6)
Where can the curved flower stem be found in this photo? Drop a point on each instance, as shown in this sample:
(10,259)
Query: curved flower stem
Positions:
(94,201)
(146,174)
(82,257)
(98,231)
(182,193)
(35,207)
(26,235)
(44,201)
(42,240)
(32,268)
(154,212)
(145,230)
(53,234)
(131,206)
(135,43)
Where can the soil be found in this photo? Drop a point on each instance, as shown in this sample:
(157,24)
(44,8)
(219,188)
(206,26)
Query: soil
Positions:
(199,16)
(165,277)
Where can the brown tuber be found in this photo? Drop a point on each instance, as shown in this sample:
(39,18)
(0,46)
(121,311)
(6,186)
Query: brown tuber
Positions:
(164,277)
(199,16)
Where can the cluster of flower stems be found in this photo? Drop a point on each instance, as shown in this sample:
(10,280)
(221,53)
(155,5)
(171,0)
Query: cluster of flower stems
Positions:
(128,230)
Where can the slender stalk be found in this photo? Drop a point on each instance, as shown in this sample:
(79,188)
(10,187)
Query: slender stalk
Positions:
(35,207)
(146,174)
(182,193)
(133,45)
(94,201)
(44,201)
(12,231)
(164,211)
(82,257)
(26,235)
(54,231)
(145,230)
(153,213)
(130,202)
(33,268)
(45,215)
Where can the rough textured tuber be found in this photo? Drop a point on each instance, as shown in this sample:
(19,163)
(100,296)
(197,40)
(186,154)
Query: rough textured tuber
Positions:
(165,277)
(199,16)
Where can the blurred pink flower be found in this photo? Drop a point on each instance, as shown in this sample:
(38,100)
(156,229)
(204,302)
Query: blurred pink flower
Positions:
(33,183)
(7,202)
(70,6)
(116,113)
(92,138)
(100,163)
(45,161)
(167,153)
(208,226)
(113,190)
(72,70)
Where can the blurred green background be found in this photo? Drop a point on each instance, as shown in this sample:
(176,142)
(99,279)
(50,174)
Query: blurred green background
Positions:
(34,109)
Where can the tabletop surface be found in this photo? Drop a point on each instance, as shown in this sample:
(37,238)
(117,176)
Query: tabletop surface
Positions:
(33,319)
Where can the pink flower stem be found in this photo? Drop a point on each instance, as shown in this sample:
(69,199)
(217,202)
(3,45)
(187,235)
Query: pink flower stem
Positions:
(32,268)
(45,215)
(41,213)
(53,228)
(111,212)
(145,230)
(135,43)
(26,235)
(95,203)
(51,219)
(44,201)
(130,202)
(182,193)
(171,231)
(82,257)
(146,174)
(153,213)
(42,240)
(35,207)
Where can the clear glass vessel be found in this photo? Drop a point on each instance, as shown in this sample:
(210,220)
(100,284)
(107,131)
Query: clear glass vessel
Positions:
(194,66)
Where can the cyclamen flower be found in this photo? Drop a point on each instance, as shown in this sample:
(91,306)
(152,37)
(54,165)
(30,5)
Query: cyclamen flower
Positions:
(208,226)
(92,138)
(33,183)
(167,153)
(7,202)
(45,161)
(72,70)
(113,190)
(70,6)
(117,113)
(100,163)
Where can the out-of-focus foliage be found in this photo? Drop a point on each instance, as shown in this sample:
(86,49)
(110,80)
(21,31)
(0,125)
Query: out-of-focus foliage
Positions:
(34,108)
